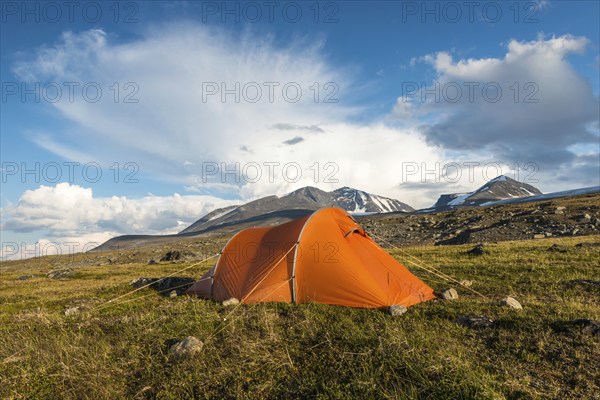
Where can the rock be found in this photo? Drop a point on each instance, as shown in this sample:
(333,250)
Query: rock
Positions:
(449,294)
(477,250)
(511,302)
(25,277)
(588,326)
(152,262)
(560,210)
(141,282)
(396,310)
(173,293)
(547,234)
(465,283)
(557,248)
(61,273)
(71,311)
(585,218)
(165,285)
(539,236)
(231,302)
(585,282)
(171,256)
(460,238)
(474,321)
(589,244)
(186,347)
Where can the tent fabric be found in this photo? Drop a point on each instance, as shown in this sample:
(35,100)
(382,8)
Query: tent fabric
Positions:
(325,257)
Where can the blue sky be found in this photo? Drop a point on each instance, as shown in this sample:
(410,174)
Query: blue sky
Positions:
(370,122)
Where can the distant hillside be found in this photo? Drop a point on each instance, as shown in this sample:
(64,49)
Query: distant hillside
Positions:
(502,191)
(271,210)
(499,188)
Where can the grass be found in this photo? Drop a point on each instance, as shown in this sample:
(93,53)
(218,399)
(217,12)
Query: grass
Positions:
(306,351)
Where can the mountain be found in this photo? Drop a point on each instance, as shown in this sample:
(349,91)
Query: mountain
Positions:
(268,211)
(357,201)
(271,210)
(499,188)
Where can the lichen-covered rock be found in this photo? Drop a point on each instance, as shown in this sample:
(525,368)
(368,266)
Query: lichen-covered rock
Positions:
(190,345)
(395,310)
(71,311)
(449,294)
(231,302)
(61,273)
(511,302)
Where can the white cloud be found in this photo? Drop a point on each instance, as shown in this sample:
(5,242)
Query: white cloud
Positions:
(172,66)
(544,108)
(172,131)
(71,210)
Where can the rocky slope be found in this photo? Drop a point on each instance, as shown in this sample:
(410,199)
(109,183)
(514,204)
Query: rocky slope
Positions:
(567,216)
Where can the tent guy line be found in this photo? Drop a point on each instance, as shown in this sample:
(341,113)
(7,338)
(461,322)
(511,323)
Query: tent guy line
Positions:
(111,301)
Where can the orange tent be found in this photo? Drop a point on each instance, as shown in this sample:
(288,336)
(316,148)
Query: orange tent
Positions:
(325,257)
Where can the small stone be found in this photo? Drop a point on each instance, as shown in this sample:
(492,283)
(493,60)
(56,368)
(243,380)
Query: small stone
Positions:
(231,302)
(547,234)
(585,282)
(585,218)
(152,262)
(511,302)
(171,256)
(587,326)
(560,210)
(557,248)
(450,294)
(465,283)
(71,311)
(141,282)
(474,321)
(396,310)
(173,293)
(186,347)
(587,244)
(24,277)
(61,273)
(477,250)
(539,236)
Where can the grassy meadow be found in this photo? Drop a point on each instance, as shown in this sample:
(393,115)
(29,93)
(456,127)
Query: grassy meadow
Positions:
(273,351)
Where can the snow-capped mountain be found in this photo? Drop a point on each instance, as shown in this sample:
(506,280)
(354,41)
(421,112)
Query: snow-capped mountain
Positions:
(499,188)
(357,201)
(276,209)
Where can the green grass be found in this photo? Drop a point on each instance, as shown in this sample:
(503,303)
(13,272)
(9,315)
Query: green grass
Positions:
(311,350)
